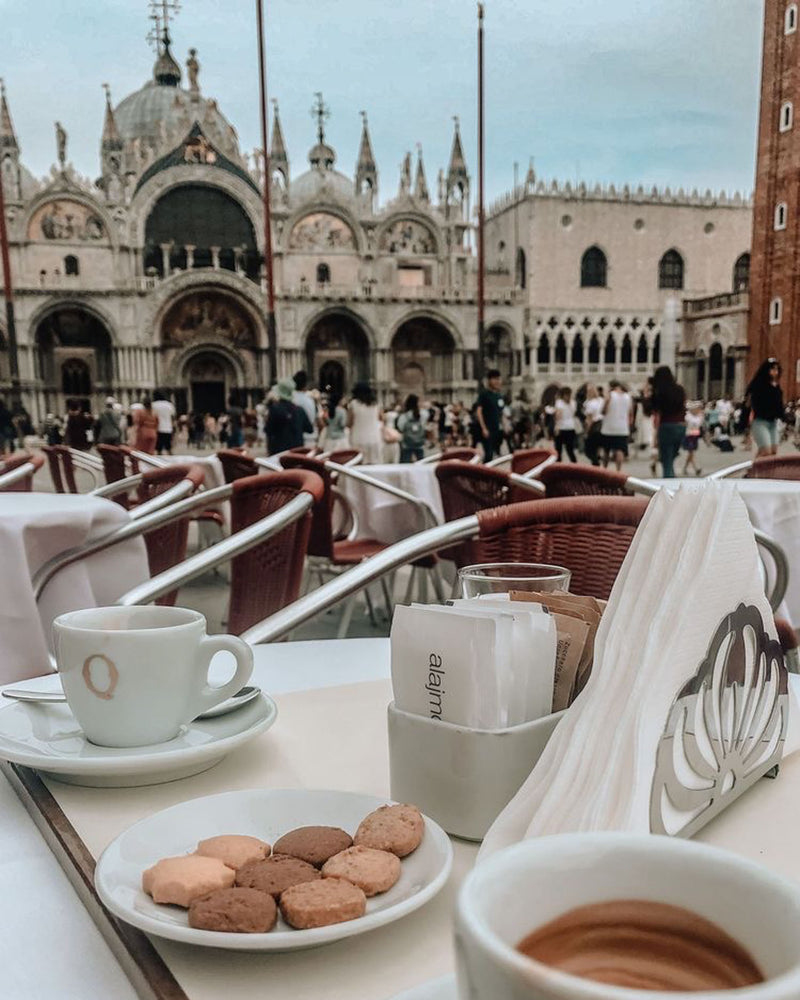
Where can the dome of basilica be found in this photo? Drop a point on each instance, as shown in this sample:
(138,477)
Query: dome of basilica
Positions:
(322,185)
(162,107)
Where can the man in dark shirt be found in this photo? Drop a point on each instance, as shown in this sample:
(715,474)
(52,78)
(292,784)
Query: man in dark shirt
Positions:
(286,423)
(489,414)
(234,412)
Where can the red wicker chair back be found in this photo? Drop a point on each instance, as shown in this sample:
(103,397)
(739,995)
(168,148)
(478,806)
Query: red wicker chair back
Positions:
(236,465)
(458,454)
(525,459)
(775,467)
(268,576)
(466,488)
(344,455)
(67,467)
(166,546)
(24,485)
(589,535)
(320,542)
(302,449)
(55,467)
(573,480)
(115,460)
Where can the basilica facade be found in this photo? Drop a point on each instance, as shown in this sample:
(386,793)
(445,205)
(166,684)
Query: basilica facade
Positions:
(152,275)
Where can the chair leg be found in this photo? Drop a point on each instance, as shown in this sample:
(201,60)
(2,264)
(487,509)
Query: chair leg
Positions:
(387,596)
(423,587)
(409,596)
(370,607)
(438,584)
(347,615)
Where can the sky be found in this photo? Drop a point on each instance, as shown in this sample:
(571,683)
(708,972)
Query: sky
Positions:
(658,92)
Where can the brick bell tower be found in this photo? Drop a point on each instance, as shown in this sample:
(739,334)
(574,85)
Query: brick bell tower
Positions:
(774,329)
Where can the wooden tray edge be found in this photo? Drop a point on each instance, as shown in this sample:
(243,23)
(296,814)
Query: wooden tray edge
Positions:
(149,975)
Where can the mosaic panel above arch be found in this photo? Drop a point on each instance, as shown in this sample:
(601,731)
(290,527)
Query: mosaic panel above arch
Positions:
(322,231)
(65,219)
(205,315)
(407,236)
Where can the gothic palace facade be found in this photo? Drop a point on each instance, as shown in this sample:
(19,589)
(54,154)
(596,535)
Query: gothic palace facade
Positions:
(152,275)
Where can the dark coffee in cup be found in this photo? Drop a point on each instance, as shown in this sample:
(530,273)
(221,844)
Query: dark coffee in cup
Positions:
(643,945)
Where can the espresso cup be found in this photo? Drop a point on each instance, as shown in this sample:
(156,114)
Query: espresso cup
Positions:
(520,889)
(134,676)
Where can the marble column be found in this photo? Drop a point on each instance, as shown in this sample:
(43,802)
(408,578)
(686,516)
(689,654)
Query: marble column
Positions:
(165,249)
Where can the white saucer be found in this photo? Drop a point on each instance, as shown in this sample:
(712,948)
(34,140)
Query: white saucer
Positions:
(267,814)
(444,988)
(47,737)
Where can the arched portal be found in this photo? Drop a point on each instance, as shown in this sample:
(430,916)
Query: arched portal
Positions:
(73,357)
(337,353)
(499,352)
(423,351)
(716,373)
(210,377)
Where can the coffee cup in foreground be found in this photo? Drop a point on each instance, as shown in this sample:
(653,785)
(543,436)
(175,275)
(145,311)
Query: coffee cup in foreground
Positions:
(521,890)
(134,676)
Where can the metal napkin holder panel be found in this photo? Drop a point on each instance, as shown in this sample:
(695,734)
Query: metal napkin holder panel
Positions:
(726,727)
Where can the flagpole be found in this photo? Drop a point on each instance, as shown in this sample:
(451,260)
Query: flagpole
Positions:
(481,249)
(8,294)
(272,329)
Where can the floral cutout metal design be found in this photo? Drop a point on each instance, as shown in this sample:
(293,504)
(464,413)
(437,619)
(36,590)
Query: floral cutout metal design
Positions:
(725,729)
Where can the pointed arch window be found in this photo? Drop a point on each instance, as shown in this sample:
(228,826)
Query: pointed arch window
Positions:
(626,352)
(594,269)
(561,350)
(576,354)
(786,116)
(657,349)
(641,351)
(610,353)
(781,212)
(670,270)
(594,350)
(775,311)
(323,274)
(790,19)
(543,351)
(741,273)
(521,275)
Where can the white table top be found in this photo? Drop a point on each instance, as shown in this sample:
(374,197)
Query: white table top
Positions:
(388,518)
(331,739)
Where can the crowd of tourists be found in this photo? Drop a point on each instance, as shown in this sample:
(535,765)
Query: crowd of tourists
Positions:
(604,424)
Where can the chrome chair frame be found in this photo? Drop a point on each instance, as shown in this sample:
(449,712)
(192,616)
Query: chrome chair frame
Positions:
(437,455)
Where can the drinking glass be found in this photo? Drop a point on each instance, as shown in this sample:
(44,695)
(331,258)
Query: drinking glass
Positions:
(501,578)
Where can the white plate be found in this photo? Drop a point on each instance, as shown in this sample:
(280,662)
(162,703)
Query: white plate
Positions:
(264,813)
(444,988)
(48,738)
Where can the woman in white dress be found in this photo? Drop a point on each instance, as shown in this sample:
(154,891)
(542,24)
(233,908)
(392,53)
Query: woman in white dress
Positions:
(364,418)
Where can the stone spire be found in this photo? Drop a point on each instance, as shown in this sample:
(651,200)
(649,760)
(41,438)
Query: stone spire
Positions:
(530,177)
(111,137)
(8,138)
(366,169)
(278,160)
(457,193)
(420,184)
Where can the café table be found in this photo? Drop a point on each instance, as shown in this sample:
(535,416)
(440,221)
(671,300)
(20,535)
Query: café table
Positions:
(330,733)
(388,518)
(34,527)
(774,508)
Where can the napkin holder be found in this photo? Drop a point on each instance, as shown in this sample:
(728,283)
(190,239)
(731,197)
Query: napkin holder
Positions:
(461,777)
(726,727)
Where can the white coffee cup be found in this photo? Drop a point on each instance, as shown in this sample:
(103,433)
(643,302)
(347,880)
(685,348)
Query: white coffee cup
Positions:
(134,676)
(520,889)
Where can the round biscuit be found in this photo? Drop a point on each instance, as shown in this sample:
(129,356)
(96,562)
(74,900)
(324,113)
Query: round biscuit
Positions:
(314,844)
(275,874)
(236,910)
(317,904)
(397,828)
(371,870)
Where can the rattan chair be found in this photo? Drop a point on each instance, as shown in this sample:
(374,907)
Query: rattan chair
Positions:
(62,467)
(236,464)
(589,535)
(166,546)
(775,467)
(346,456)
(525,459)
(268,576)
(16,475)
(453,455)
(118,462)
(571,479)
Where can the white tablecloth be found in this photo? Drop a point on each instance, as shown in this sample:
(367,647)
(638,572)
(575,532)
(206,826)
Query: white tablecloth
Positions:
(774,508)
(387,518)
(33,528)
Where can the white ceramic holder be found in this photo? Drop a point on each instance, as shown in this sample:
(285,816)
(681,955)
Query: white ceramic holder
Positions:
(462,778)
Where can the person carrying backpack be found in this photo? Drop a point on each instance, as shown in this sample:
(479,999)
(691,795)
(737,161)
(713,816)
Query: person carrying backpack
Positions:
(412,424)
